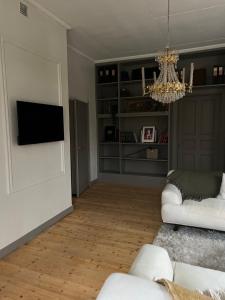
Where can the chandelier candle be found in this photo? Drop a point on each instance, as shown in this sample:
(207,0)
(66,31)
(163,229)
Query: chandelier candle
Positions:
(191,75)
(183,75)
(143,79)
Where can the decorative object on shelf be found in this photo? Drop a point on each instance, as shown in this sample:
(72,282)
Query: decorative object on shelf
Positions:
(218,75)
(163,138)
(110,107)
(124,76)
(107,74)
(128,137)
(199,77)
(138,106)
(110,134)
(143,105)
(101,72)
(114,76)
(152,153)
(167,88)
(124,92)
(148,134)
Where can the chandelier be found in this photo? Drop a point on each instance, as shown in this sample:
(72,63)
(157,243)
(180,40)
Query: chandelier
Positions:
(167,88)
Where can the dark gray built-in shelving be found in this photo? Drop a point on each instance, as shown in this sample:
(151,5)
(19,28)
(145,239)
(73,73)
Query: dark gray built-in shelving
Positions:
(127,159)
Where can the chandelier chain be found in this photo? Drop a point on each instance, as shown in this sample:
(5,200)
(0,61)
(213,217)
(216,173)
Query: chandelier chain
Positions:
(168,25)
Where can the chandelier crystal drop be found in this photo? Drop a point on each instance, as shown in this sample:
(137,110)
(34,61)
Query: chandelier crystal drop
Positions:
(167,88)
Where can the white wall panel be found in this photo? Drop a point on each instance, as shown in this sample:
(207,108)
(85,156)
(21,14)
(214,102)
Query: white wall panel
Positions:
(34,179)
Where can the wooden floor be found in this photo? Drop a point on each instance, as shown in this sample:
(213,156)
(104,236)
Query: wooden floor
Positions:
(72,259)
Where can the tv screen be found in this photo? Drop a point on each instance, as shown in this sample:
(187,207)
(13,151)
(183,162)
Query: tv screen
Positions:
(39,123)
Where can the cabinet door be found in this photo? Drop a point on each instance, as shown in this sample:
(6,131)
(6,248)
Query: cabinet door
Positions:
(200,128)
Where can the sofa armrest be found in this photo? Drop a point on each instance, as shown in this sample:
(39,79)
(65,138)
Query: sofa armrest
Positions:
(127,287)
(171,195)
(152,262)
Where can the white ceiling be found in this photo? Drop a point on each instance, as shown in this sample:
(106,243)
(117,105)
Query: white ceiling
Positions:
(104,29)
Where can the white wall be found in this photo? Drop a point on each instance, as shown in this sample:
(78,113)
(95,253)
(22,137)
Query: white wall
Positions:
(34,179)
(82,87)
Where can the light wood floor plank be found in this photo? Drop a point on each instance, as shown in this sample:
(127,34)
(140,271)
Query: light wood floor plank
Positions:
(72,259)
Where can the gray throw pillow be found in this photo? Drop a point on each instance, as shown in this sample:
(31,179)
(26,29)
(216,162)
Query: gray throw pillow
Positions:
(196,185)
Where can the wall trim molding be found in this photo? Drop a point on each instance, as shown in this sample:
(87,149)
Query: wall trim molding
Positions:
(50,14)
(74,49)
(151,55)
(35,232)
(7,125)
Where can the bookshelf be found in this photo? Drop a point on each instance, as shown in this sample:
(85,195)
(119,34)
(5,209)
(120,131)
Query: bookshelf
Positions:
(120,104)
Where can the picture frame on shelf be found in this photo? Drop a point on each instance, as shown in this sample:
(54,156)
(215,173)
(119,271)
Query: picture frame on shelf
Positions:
(148,134)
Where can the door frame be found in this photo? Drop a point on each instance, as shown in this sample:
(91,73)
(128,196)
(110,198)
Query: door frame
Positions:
(76,150)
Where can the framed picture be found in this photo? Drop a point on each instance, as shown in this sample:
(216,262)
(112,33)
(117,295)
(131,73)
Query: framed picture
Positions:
(148,134)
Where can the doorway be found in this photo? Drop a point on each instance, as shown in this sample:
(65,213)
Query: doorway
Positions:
(79,146)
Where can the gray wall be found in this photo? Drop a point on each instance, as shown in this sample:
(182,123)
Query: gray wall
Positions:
(82,87)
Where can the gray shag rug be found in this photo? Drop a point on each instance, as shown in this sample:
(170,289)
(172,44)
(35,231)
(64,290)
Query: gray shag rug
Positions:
(200,247)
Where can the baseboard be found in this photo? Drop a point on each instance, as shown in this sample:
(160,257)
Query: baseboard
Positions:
(32,234)
(93,182)
(134,180)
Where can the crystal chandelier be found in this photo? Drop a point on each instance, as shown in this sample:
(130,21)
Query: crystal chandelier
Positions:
(167,88)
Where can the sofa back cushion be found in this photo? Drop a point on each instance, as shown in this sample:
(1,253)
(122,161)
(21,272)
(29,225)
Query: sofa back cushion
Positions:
(196,185)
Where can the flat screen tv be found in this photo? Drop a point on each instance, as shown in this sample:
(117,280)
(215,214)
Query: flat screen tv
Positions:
(39,123)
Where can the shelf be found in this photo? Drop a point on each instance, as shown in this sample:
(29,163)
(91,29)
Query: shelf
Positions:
(107,83)
(134,144)
(209,86)
(144,159)
(145,144)
(145,114)
(106,116)
(108,99)
(140,81)
(135,81)
(109,143)
(109,157)
(134,98)
(136,114)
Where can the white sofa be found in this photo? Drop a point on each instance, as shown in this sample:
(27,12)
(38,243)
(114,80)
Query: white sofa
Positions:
(152,263)
(207,213)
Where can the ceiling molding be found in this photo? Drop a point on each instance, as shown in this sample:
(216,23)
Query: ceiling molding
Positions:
(50,14)
(80,53)
(150,55)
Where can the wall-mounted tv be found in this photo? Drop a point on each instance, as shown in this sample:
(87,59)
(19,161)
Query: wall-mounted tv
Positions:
(39,123)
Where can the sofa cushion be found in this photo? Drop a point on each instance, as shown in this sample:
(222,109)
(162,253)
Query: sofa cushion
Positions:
(213,207)
(127,287)
(208,213)
(196,185)
(197,278)
(222,189)
(152,263)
